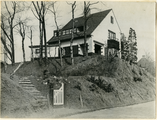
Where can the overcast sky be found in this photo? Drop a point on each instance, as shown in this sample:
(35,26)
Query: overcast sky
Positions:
(138,15)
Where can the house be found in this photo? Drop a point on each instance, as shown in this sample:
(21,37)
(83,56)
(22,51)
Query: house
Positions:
(36,50)
(103,35)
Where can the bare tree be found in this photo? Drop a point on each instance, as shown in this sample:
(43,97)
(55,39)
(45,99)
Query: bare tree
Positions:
(4,52)
(40,13)
(73,5)
(21,30)
(9,11)
(30,37)
(87,5)
(56,23)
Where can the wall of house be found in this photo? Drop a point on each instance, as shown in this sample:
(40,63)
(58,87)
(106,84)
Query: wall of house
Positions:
(100,34)
(50,52)
(79,42)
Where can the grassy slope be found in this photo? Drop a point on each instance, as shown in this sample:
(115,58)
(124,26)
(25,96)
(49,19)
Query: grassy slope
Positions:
(118,73)
(15,102)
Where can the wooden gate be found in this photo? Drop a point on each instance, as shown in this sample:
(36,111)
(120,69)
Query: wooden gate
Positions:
(58,96)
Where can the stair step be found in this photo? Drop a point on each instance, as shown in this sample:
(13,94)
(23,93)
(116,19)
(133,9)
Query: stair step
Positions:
(25,82)
(35,91)
(40,96)
(27,85)
(36,94)
(30,88)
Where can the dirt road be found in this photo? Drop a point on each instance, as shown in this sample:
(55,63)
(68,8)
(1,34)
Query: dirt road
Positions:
(144,110)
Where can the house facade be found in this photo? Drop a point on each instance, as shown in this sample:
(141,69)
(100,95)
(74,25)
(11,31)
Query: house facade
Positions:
(103,35)
(50,48)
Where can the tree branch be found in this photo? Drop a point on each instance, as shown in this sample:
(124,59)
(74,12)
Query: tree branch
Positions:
(5,47)
(34,14)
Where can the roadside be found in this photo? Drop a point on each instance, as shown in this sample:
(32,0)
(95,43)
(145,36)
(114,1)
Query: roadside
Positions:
(131,111)
(87,90)
(138,111)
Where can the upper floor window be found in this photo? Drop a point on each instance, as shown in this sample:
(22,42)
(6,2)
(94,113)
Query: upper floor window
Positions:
(112,20)
(68,31)
(63,33)
(111,35)
(55,33)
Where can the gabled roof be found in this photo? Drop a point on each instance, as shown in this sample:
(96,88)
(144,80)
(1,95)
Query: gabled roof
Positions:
(92,23)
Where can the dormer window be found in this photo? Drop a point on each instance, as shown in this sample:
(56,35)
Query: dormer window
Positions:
(70,31)
(60,33)
(55,33)
(63,33)
(67,32)
(112,20)
(75,30)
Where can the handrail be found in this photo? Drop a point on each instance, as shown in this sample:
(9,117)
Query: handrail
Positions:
(16,69)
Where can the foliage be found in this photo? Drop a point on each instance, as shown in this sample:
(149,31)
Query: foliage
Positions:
(107,87)
(137,79)
(129,52)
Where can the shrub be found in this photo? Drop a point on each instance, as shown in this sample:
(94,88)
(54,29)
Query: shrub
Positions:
(93,87)
(107,87)
(78,86)
(137,79)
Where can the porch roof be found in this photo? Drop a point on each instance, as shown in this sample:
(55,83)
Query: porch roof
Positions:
(38,46)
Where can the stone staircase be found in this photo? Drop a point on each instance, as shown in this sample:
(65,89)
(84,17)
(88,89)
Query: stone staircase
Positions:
(30,88)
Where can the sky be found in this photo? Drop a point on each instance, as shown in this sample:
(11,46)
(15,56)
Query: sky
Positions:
(138,15)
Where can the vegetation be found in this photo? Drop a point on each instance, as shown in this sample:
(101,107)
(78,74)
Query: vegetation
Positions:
(129,52)
(8,19)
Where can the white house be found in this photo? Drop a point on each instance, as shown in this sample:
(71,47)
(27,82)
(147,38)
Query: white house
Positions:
(103,35)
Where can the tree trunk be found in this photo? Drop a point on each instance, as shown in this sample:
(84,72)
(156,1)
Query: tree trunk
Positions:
(23,49)
(60,52)
(12,44)
(85,28)
(72,34)
(41,42)
(31,46)
(85,42)
(71,49)
(44,31)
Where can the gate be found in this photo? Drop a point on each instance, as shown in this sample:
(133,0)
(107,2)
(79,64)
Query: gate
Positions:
(59,96)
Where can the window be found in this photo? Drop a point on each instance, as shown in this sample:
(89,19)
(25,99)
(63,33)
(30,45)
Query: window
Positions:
(37,51)
(67,31)
(111,35)
(112,20)
(63,32)
(43,50)
(75,30)
(70,31)
(55,33)
(60,33)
